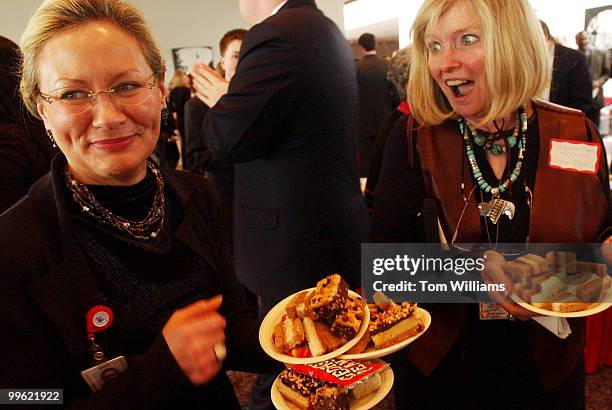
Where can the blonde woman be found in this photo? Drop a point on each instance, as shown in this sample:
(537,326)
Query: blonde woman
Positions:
(476,135)
(115,280)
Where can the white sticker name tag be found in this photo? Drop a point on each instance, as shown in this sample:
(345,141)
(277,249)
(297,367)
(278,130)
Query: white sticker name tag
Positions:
(574,156)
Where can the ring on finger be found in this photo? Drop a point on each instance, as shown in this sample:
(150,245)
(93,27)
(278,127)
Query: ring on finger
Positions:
(220,351)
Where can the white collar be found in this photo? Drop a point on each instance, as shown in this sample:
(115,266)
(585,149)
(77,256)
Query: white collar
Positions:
(277,8)
(370,53)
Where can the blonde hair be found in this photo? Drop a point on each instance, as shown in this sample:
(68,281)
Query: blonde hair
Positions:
(179,79)
(516,59)
(54,17)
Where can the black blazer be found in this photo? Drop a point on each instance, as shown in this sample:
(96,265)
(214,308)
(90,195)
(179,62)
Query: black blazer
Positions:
(46,288)
(571,82)
(289,121)
(25,156)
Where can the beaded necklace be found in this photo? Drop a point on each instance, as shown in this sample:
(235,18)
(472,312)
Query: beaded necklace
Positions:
(146,229)
(489,142)
(496,207)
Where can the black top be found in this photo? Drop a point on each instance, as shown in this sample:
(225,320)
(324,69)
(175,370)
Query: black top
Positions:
(55,264)
(144,281)
(25,156)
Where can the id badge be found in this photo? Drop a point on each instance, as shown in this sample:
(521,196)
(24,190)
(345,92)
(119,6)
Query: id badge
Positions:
(98,375)
(492,311)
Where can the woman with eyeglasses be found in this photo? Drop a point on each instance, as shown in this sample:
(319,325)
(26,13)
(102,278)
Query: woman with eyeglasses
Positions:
(115,280)
(479,141)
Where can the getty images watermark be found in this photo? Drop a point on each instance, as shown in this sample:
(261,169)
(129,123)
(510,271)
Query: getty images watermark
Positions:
(431,273)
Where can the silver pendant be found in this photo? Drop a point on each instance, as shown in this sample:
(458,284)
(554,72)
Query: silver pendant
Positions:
(495,208)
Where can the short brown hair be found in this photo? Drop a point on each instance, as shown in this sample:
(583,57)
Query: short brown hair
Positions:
(236,34)
(57,16)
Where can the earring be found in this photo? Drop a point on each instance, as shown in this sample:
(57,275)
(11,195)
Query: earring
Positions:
(50,135)
(165,113)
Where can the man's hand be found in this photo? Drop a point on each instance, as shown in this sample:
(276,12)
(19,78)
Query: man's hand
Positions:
(493,272)
(209,85)
(191,334)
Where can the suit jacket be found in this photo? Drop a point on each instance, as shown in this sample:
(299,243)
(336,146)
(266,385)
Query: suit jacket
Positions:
(288,121)
(599,67)
(571,82)
(46,289)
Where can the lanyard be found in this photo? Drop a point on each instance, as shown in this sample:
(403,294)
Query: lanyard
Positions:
(99,318)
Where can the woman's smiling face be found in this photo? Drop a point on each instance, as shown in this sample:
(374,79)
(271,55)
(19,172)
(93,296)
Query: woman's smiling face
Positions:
(109,143)
(456,60)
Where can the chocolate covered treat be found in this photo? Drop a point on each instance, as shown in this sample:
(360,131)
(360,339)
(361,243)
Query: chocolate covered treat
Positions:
(330,297)
(308,393)
(348,320)
(393,325)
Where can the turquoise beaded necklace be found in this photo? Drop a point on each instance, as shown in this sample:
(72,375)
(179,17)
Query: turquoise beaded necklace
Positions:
(466,131)
(489,142)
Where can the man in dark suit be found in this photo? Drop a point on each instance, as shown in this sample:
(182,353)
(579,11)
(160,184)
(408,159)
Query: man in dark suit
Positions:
(375,98)
(599,67)
(288,122)
(571,82)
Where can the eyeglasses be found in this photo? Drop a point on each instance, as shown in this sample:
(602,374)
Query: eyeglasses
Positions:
(75,101)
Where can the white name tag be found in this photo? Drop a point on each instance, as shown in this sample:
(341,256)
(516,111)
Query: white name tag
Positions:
(574,156)
(98,375)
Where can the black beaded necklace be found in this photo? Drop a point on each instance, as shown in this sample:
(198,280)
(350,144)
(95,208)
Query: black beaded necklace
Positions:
(146,229)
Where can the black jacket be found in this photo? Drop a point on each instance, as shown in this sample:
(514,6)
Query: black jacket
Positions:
(25,156)
(375,94)
(288,122)
(571,82)
(46,288)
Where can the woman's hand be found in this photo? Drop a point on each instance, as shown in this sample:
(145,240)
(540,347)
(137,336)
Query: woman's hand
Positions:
(493,272)
(191,334)
(606,250)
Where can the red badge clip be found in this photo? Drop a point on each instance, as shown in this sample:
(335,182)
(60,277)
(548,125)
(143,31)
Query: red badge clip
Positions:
(99,318)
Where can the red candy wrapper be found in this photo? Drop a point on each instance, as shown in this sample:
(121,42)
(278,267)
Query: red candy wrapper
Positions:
(342,372)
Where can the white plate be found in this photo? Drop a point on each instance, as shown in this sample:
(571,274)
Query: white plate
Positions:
(363,403)
(593,309)
(372,354)
(274,316)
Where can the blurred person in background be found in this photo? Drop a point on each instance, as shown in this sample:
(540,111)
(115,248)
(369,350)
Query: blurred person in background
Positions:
(197,156)
(25,149)
(376,98)
(571,82)
(398,74)
(599,68)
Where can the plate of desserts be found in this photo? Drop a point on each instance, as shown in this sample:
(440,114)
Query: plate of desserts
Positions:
(315,324)
(392,327)
(558,285)
(332,385)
